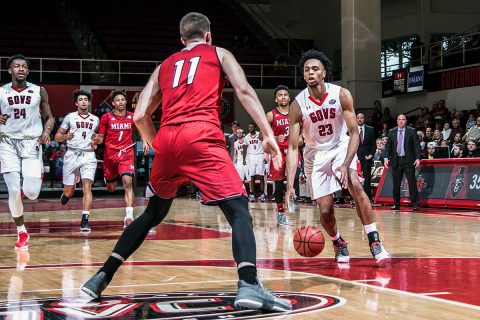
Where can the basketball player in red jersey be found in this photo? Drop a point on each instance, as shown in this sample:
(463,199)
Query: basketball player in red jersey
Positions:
(190,147)
(278,119)
(326,113)
(116,128)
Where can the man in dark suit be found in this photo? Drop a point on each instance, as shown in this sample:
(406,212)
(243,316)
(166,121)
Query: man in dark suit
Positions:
(402,153)
(366,150)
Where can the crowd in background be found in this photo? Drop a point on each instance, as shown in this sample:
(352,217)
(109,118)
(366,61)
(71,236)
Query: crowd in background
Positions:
(458,132)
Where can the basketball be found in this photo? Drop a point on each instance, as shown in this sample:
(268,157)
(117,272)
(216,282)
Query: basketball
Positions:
(308,241)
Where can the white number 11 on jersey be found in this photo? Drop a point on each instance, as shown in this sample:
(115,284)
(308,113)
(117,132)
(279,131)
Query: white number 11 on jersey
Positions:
(191,71)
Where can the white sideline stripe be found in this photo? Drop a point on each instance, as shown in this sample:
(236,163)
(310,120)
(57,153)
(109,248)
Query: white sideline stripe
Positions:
(400,292)
(160,284)
(435,293)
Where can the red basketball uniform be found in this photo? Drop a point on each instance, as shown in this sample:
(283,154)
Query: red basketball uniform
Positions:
(280,127)
(190,146)
(119,155)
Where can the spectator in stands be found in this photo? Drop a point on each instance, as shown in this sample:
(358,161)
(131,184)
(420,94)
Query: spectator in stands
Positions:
(470,122)
(440,111)
(458,151)
(387,118)
(419,123)
(384,140)
(421,138)
(378,156)
(460,116)
(476,112)
(457,139)
(474,132)
(444,143)
(446,131)
(456,128)
(437,136)
(427,124)
(428,134)
(472,149)
(430,151)
(384,130)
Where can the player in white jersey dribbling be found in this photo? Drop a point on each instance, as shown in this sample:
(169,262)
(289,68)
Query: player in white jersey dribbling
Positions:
(78,129)
(22,107)
(255,162)
(331,136)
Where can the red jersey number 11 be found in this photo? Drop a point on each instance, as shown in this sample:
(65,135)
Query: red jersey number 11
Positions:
(191,71)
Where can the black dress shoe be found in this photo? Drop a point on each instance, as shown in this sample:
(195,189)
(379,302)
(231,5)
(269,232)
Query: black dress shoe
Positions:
(396,207)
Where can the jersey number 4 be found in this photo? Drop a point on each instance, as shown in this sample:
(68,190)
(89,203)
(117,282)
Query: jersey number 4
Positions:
(191,71)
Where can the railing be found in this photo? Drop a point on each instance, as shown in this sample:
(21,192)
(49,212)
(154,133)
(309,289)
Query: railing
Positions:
(136,72)
(457,50)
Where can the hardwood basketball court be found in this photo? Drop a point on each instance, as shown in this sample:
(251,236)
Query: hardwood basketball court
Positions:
(185,269)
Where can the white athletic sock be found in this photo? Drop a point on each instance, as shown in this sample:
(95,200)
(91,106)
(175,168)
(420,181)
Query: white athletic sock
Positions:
(129,212)
(336,237)
(370,227)
(86,212)
(21,228)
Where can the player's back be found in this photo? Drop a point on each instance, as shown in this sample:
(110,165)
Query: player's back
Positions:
(191,82)
(23,107)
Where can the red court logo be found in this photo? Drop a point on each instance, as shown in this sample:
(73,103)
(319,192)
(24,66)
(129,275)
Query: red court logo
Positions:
(171,305)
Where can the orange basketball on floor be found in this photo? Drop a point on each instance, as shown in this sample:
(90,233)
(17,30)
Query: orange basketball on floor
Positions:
(308,241)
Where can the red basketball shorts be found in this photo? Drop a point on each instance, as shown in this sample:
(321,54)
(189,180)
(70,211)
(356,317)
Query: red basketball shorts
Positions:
(194,152)
(279,174)
(116,163)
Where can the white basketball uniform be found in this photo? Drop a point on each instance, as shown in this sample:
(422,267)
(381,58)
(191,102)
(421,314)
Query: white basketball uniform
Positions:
(242,169)
(79,161)
(20,150)
(326,140)
(255,156)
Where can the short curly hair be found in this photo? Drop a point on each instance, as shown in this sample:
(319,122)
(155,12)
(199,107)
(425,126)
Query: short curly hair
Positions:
(314,54)
(18,56)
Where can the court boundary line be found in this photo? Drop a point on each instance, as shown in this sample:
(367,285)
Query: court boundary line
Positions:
(332,279)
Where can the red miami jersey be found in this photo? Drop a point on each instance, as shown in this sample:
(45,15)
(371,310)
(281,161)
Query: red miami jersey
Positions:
(191,82)
(117,130)
(280,126)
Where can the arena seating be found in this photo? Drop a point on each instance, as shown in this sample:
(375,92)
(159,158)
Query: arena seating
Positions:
(136,31)
(36,30)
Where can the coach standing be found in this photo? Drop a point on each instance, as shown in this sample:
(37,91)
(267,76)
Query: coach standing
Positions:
(366,150)
(402,153)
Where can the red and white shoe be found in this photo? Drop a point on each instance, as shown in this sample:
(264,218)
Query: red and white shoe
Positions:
(22,241)
(126,222)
